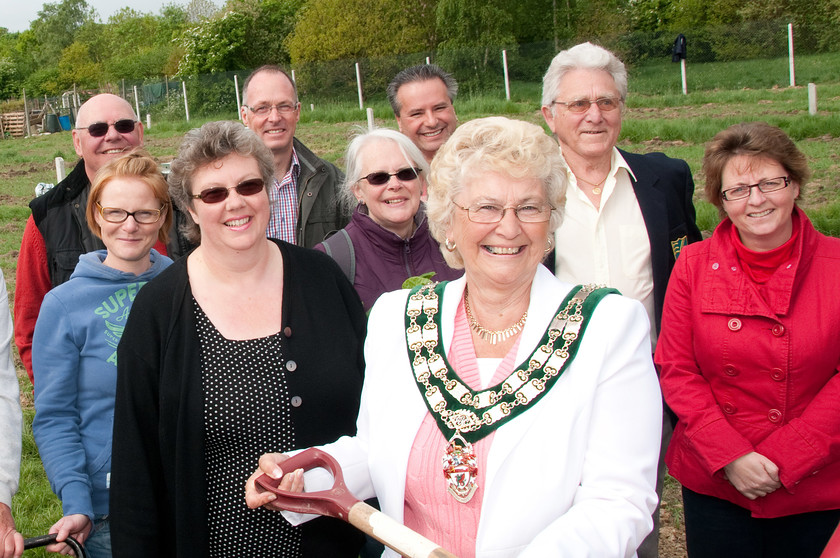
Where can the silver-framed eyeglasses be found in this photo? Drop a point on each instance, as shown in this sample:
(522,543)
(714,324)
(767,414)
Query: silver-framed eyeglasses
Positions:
(605,104)
(491,213)
(766,186)
(141,216)
(282,108)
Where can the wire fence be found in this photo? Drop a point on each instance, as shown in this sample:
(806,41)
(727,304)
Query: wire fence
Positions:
(751,55)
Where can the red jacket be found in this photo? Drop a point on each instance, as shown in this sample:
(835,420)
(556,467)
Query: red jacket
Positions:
(746,372)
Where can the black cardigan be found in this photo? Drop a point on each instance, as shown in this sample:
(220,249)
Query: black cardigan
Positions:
(158,485)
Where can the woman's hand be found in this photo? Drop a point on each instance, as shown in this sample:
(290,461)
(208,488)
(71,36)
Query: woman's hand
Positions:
(255,497)
(76,525)
(753,475)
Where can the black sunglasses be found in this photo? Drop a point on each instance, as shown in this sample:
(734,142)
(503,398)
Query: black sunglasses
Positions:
(382,177)
(218,194)
(99,129)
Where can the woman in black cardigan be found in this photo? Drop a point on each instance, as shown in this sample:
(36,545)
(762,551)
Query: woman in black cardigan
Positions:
(245,346)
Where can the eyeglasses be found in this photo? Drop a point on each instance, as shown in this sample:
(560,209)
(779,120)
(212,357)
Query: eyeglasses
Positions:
(218,194)
(382,177)
(605,104)
(765,186)
(99,129)
(141,216)
(265,110)
(490,213)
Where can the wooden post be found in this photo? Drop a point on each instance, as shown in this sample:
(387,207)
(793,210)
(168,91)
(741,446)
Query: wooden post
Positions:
(25,114)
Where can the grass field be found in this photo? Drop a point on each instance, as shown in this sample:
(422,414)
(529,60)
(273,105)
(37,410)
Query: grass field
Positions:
(676,124)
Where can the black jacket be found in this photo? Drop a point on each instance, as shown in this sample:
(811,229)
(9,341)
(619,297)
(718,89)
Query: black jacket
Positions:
(158,487)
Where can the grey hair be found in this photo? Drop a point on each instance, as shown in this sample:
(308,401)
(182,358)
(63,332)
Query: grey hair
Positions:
(494,144)
(583,56)
(421,72)
(271,69)
(412,154)
(205,145)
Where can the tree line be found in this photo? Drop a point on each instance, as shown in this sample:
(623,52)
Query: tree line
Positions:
(67,45)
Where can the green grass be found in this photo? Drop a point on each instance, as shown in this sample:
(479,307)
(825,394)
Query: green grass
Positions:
(659,118)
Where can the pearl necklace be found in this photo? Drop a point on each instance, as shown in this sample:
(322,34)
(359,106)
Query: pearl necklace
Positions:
(489,335)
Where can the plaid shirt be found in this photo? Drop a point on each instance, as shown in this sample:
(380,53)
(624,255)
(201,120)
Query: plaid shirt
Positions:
(284,205)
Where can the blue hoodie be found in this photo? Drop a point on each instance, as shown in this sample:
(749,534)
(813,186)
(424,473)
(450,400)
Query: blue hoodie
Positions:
(74,358)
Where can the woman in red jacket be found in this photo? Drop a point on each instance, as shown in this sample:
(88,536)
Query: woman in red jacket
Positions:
(749,356)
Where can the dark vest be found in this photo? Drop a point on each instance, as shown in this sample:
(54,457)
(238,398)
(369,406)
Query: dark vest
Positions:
(60,217)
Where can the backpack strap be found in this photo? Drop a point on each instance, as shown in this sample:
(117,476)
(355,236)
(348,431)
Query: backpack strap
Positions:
(340,248)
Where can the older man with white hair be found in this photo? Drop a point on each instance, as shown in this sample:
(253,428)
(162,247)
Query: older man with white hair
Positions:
(627,215)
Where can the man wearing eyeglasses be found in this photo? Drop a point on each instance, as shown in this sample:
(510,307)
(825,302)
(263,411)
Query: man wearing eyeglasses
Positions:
(422,98)
(304,206)
(56,234)
(627,216)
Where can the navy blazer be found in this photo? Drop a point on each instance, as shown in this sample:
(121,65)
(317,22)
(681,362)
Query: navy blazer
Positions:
(664,189)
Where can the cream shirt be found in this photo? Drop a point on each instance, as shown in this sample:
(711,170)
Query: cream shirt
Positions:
(608,246)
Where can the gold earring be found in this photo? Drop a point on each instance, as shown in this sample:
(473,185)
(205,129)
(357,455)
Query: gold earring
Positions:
(449,245)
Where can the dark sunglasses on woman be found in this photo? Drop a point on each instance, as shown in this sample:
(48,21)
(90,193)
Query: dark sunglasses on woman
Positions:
(218,194)
(382,177)
(99,129)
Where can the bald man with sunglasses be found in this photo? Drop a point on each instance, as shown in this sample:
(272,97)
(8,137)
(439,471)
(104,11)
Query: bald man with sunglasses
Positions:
(56,234)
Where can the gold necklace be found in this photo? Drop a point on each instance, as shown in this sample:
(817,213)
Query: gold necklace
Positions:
(489,335)
(596,188)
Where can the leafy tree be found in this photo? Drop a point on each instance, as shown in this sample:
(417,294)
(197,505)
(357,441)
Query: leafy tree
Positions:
(199,10)
(77,67)
(56,27)
(342,29)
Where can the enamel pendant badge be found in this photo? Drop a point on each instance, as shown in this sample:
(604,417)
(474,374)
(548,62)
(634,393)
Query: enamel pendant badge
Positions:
(460,469)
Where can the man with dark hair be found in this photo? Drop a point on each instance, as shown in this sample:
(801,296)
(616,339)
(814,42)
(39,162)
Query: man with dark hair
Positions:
(422,97)
(57,233)
(304,208)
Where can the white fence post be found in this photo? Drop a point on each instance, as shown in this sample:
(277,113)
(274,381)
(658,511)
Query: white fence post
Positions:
(684,80)
(790,55)
(507,78)
(370,118)
(136,103)
(60,171)
(359,86)
(812,99)
(238,103)
(148,121)
(186,105)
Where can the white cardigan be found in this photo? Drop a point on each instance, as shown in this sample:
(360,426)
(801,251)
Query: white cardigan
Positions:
(572,476)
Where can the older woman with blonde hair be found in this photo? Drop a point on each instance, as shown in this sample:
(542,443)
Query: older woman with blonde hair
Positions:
(538,397)
(387,240)
(749,359)
(246,345)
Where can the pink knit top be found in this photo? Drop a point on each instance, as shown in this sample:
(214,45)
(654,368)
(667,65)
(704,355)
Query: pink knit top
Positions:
(429,508)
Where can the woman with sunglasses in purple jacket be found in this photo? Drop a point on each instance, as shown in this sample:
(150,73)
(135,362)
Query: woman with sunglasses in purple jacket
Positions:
(387,240)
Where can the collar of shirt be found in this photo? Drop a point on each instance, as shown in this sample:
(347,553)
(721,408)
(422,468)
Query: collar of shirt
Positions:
(612,181)
(283,197)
